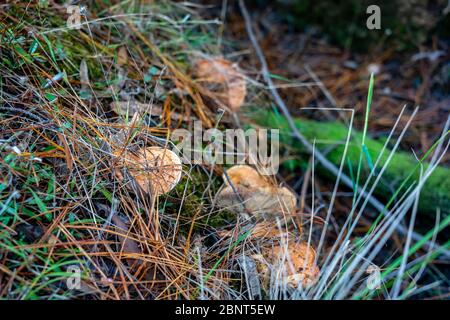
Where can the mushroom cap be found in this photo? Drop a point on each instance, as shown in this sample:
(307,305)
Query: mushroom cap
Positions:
(297,260)
(222,72)
(264,230)
(250,192)
(155,170)
(300,265)
(245,176)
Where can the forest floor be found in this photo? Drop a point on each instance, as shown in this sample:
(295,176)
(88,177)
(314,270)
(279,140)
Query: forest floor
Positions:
(71,205)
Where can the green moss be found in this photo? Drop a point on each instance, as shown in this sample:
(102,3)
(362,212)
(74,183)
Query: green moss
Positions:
(403,167)
(196,205)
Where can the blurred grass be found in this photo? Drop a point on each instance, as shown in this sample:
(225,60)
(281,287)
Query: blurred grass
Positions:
(405,24)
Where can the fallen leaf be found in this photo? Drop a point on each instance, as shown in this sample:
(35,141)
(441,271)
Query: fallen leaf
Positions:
(30,232)
(127,245)
(231,81)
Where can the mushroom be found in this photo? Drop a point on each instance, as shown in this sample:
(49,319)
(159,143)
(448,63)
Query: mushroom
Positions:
(264,230)
(296,260)
(246,191)
(217,71)
(292,262)
(155,170)
(245,176)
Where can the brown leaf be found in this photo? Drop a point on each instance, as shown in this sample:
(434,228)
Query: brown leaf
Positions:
(231,82)
(127,245)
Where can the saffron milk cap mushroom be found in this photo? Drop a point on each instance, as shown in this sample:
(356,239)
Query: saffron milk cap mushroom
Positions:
(295,261)
(222,73)
(155,170)
(246,191)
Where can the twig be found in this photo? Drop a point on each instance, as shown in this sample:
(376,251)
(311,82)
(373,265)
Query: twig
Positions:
(319,156)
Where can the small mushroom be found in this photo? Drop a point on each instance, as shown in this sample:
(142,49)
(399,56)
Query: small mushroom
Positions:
(245,176)
(297,261)
(246,191)
(231,82)
(282,257)
(155,170)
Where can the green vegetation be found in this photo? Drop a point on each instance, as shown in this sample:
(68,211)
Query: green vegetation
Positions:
(405,23)
(402,172)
